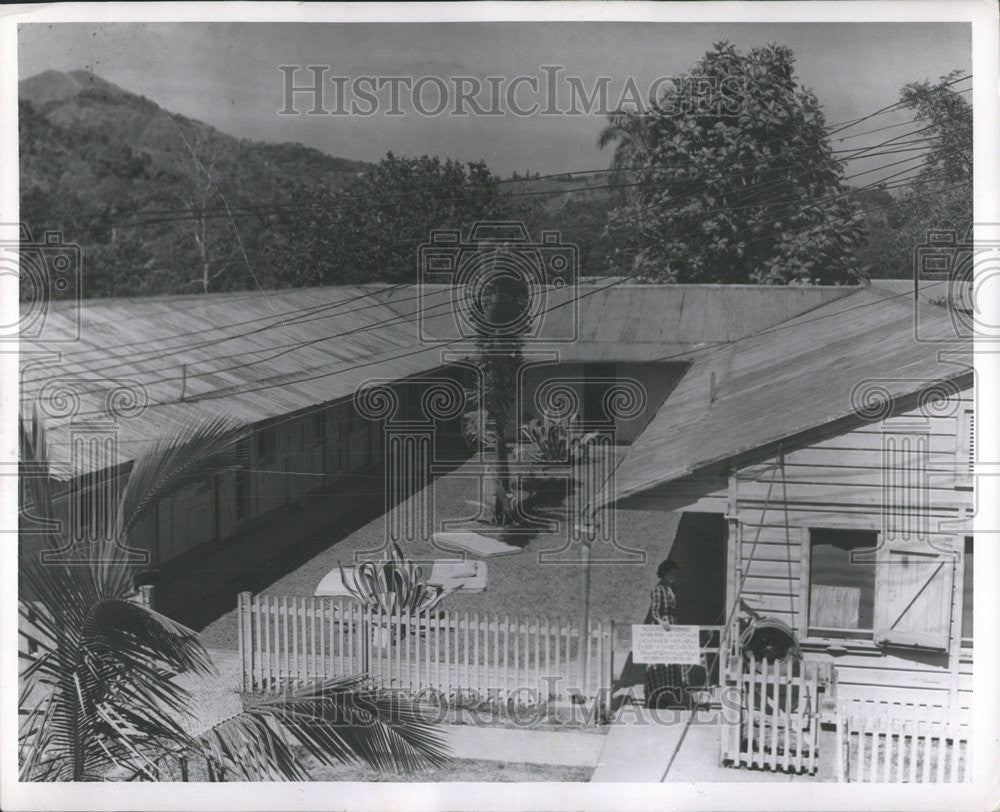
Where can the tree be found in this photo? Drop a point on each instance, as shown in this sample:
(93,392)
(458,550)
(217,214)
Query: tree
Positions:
(728,177)
(498,312)
(940,197)
(371,230)
(100,692)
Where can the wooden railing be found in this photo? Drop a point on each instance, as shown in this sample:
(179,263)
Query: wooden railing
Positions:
(290,641)
(901,743)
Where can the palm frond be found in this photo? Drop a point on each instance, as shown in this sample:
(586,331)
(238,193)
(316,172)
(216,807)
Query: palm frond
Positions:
(134,634)
(342,721)
(102,668)
(176,460)
(35,472)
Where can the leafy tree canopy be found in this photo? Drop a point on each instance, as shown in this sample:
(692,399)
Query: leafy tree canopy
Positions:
(371,229)
(740,186)
(940,199)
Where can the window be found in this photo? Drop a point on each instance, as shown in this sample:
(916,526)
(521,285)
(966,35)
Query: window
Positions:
(263,444)
(967,594)
(841,582)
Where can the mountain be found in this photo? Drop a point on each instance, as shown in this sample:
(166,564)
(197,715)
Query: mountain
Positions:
(161,203)
(121,177)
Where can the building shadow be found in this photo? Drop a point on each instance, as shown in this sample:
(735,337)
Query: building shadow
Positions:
(202,585)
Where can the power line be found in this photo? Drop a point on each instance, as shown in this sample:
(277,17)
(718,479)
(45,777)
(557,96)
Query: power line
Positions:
(619,279)
(771,203)
(188,213)
(895,105)
(324,310)
(378,358)
(346,205)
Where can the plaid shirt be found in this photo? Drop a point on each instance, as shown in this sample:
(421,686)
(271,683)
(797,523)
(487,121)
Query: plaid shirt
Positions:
(663,603)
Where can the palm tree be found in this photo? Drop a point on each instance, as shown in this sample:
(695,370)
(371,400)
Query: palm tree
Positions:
(502,301)
(103,693)
(629,131)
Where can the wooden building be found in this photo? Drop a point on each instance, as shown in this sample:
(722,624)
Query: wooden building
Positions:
(289,363)
(829,459)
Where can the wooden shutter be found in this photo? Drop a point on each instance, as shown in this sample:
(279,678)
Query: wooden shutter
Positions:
(913,596)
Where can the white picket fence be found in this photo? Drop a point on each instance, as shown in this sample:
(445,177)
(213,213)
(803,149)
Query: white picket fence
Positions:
(292,641)
(902,743)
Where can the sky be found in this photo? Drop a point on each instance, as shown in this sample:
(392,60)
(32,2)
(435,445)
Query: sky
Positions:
(227,74)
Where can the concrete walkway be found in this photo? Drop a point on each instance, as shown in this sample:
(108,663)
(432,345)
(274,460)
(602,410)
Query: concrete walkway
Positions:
(562,748)
(639,744)
(671,746)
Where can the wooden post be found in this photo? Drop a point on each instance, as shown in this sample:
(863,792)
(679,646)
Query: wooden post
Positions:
(584,647)
(146,595)
(611,665)
(840,760)
(245,633)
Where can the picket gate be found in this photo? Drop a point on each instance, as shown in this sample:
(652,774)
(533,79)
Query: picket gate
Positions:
(776,725)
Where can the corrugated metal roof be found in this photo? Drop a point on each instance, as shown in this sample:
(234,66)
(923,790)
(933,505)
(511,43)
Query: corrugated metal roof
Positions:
(247,356)
(788,379)
(259,355)
(627,315)
(932,290)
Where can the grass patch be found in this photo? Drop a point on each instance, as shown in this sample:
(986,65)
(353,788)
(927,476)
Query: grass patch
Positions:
(461,770)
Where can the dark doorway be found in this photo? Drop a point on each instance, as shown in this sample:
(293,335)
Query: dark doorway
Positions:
(597,379)
(699,547)
(700,583)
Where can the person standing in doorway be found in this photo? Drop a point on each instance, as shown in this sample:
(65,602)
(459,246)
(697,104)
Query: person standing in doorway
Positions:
(664,681)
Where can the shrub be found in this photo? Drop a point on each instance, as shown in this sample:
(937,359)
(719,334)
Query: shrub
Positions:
(393,584)
(557,439)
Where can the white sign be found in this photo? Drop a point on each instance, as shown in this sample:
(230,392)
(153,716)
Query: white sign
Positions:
(654,644)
